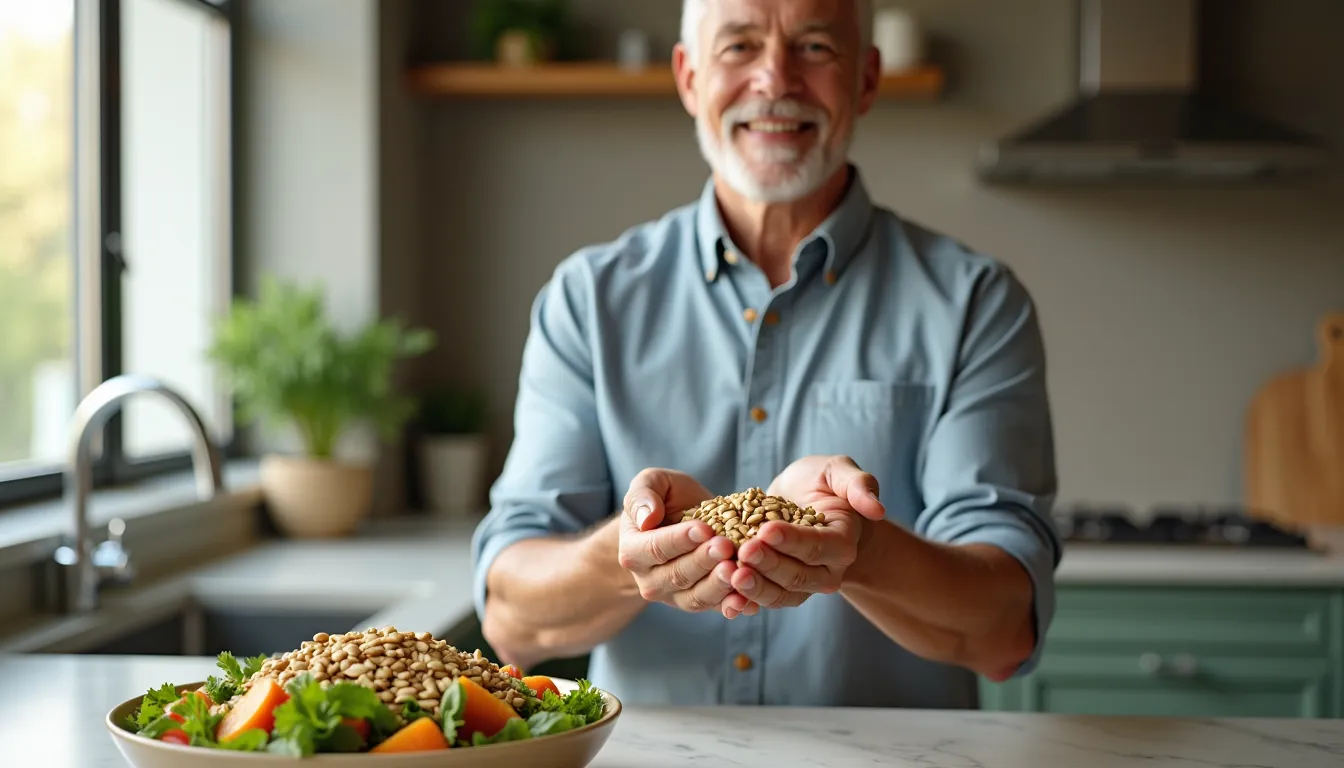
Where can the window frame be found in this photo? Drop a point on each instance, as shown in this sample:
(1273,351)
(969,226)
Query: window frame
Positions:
(97,194)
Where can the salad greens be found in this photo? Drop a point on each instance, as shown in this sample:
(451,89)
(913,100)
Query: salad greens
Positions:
(343,716)
(235,674)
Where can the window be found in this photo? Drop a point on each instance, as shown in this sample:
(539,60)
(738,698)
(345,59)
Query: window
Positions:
(115,227)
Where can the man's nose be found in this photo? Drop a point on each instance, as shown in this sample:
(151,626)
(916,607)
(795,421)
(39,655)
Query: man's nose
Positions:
(774,76)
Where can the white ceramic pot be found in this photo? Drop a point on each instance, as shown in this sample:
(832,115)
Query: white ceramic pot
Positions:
(453,469)
(316,498)
(898,37)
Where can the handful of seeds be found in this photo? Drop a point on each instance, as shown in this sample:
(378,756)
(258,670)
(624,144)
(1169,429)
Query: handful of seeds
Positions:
(739,516)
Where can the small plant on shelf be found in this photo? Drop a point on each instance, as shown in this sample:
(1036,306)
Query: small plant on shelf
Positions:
(288,366)
(520,32)
(454,450)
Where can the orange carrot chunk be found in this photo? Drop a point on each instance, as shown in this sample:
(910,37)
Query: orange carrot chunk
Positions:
(540,684)
(422,735)
(482,711)
(256,709)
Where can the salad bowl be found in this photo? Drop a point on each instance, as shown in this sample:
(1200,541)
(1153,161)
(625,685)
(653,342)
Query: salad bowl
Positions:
(573,748)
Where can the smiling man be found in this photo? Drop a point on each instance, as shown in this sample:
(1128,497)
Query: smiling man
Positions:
(785,332)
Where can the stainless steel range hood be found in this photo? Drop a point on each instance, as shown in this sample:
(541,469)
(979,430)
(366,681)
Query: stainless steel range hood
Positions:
(1139,115)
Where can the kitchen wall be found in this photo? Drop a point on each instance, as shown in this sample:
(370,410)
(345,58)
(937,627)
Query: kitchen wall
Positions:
(326,174)
(1163,309)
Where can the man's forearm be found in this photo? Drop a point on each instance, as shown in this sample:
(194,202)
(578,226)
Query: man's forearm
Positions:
(553,597)
(969,605)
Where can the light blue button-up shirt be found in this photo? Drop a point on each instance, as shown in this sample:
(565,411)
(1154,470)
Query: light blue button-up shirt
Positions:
(895,345)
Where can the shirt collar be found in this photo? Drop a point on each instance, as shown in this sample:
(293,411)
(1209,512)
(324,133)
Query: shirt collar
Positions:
(841,234)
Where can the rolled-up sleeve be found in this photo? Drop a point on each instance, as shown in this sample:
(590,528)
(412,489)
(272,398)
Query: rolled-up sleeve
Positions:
(988,473)
(555,479)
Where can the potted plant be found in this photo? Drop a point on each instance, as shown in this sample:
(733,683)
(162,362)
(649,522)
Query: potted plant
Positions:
(289,367)
(453,450)
(519,32)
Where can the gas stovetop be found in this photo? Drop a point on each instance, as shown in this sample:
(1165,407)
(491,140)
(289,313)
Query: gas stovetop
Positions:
(1168,525)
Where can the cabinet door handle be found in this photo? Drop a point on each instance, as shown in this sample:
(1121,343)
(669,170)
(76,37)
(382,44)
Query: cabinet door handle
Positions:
(1150,663)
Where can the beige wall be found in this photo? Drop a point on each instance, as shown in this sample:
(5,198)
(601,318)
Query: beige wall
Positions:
(321,137)
(1163,309)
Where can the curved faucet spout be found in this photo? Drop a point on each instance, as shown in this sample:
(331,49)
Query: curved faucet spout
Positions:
(92,413)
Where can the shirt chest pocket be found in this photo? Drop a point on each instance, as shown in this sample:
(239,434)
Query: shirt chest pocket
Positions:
(880,425)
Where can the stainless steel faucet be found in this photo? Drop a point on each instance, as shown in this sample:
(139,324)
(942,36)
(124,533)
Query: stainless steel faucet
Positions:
(88,568)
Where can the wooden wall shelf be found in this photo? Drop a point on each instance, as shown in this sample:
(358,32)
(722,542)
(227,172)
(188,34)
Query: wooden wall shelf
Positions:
(482,80)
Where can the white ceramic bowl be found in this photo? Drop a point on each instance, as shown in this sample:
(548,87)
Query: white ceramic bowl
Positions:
(569,749)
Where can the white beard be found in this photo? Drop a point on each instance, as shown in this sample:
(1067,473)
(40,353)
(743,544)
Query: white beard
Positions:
(783,175)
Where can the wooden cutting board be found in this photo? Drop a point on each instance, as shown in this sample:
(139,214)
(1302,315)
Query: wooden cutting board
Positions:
(1294,439)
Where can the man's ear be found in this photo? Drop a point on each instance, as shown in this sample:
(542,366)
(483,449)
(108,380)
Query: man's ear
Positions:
(870,78)
(684,73)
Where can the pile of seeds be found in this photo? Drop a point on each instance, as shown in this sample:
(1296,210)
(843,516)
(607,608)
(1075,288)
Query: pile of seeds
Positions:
(740,515)
(400,666)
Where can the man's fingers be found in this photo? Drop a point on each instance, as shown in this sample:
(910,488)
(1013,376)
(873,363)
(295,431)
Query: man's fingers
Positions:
(855,486)
(683,573)
(641,550)
(764,592)
(643,502)
(709,592)
(811,546)
(788,572)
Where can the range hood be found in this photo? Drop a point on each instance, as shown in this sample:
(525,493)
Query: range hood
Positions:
(1139,115)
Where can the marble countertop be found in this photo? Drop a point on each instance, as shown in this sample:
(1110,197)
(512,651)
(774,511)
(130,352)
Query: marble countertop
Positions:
(53,710)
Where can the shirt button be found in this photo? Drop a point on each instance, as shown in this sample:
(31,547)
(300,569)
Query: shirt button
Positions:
(730,257)
(749,315)
(771,317)
(742,662)
(758,414)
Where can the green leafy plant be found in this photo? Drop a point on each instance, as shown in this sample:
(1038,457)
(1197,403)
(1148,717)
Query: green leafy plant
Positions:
(449,411)
(546,20)
(287,363)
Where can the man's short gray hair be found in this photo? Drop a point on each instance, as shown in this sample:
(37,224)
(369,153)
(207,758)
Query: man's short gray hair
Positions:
(692,11)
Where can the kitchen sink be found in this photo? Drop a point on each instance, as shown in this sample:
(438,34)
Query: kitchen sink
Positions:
(202,631)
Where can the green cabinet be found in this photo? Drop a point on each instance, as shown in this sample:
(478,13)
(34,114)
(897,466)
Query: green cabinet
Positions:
(1203,651)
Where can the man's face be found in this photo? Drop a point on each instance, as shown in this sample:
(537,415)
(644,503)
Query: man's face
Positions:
(775,87)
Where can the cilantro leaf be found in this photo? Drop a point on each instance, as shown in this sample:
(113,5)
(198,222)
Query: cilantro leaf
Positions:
(585,702)
(451,707)
(197,722)
(236,674)
(514,730)
(251,740)
(412,711)
(152,706)
(218,690)
(545,723)
(311,720)
(343,738)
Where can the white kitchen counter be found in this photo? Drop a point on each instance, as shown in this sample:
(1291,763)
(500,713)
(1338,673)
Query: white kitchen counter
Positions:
(53,710)
(1176,565)
(417,573)
(404,573)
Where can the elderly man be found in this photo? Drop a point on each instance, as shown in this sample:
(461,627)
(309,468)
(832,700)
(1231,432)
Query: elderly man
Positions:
(781,332)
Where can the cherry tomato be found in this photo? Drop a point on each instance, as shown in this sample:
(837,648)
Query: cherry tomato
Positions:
(176,736)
